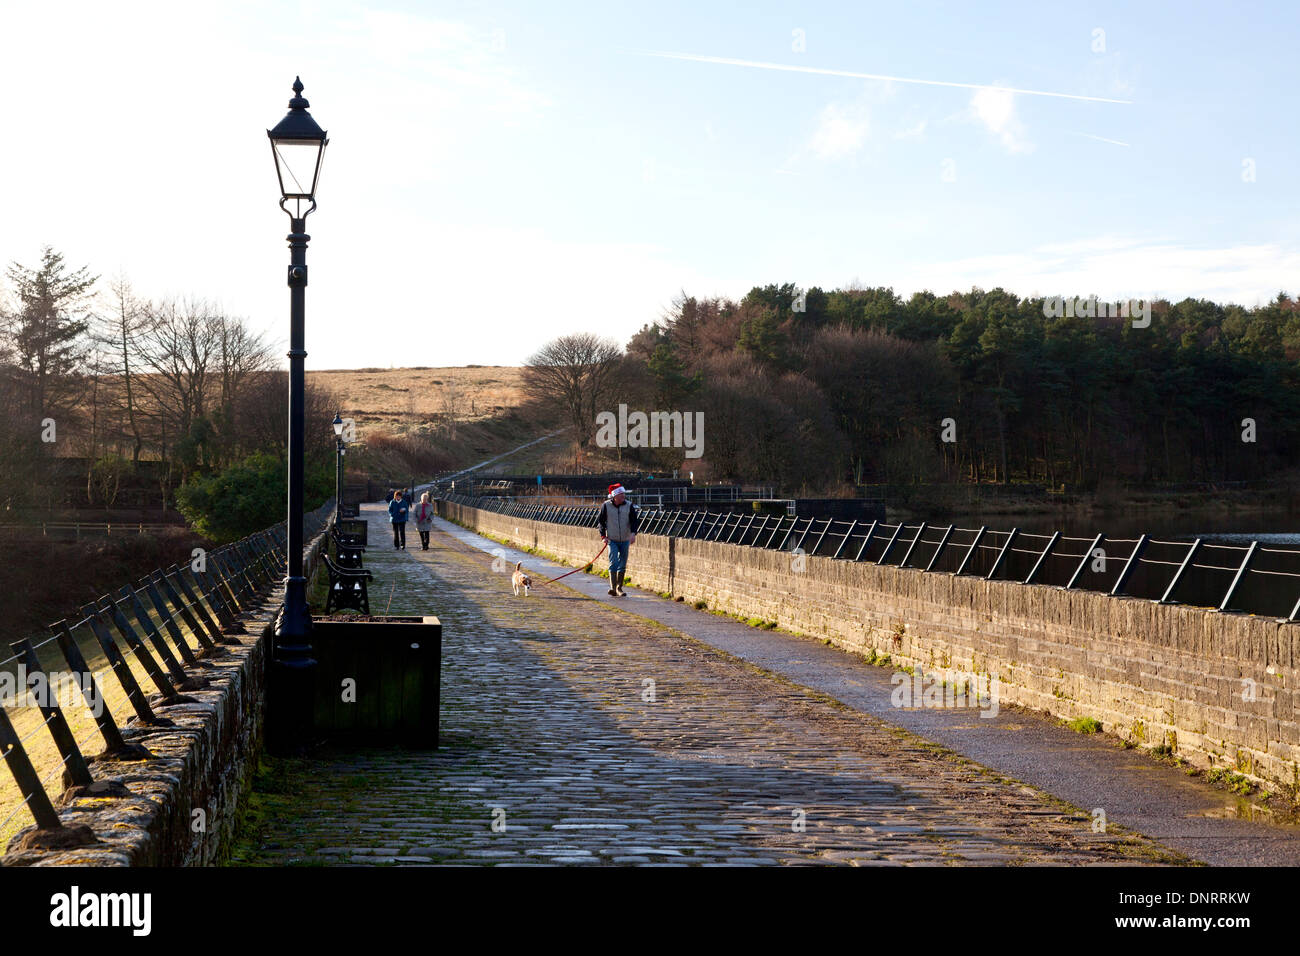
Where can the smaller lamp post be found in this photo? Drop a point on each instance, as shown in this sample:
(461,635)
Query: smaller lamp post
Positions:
(340,451)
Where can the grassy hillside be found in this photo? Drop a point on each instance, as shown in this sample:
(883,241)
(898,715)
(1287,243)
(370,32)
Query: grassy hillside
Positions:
(422,420)
(410,421)
(399,399)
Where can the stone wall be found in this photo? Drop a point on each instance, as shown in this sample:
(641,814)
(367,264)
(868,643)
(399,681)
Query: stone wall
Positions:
(203,763)
(180,808)
(1215,689)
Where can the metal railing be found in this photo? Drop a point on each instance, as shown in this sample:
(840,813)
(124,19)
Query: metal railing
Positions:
(75,530)
(640,499)
(1248,578)
(160,632)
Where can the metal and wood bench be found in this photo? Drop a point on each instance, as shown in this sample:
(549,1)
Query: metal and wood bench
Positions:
(347,588)
(352,531)
(348,552)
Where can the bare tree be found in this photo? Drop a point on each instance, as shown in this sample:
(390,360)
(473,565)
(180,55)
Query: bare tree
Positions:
(105,481)
(264,415)
(450,402)
(241,356)
(96,364)
(575,372)
(178,350)
(121,331)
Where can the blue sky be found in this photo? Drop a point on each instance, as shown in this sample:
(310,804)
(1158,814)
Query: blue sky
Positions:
(502,173)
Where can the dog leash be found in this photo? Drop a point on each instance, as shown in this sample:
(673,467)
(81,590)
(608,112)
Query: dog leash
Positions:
(576,570)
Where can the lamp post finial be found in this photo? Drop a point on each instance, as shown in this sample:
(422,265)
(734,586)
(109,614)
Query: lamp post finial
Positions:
(298,102)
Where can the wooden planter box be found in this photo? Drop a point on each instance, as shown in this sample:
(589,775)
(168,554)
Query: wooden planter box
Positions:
(378,679)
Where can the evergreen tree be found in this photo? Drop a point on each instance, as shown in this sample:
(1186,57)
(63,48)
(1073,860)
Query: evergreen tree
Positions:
(47,332)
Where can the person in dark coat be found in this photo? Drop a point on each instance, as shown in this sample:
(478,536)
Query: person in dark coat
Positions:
(398,511)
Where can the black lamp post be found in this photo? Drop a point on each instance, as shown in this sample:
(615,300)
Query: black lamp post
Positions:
(339,452)
(298,145)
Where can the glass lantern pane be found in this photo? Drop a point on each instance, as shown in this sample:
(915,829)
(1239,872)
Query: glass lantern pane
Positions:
(297,163)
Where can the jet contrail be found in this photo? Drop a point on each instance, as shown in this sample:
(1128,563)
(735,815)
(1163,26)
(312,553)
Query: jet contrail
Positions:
(1100,139)
(870,76)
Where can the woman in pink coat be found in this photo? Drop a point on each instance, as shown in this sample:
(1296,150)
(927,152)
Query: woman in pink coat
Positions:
(424,520)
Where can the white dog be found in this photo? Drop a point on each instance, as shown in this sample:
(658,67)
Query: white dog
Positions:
(520,580)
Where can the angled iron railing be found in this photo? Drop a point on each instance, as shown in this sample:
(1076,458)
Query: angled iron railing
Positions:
(155,636)
(1251,578)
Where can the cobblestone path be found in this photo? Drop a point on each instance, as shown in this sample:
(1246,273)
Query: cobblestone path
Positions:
(575,733)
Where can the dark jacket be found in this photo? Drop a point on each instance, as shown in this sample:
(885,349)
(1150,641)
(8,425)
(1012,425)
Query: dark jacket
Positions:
(618,523)
(398,511)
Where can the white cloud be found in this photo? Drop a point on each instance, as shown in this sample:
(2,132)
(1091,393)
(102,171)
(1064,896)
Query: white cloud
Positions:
(412,104)
(841,131)
(911,132)
(440,65)
(489,294)
(996,109)
(1116,267)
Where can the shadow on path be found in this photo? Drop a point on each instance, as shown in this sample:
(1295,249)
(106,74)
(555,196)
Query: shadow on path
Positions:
(1089,771)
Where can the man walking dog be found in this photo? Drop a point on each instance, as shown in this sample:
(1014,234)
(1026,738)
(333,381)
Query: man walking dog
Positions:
(618,524)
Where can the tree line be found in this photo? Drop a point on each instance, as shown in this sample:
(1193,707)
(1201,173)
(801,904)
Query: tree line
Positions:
(93,372)
(820,389)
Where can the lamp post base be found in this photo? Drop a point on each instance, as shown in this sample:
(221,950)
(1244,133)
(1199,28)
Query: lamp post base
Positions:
(290,701)
(291,679)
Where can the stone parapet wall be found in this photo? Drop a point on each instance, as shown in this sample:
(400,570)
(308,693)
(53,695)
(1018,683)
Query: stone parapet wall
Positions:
(1216,689)
(180,807)
(183,804)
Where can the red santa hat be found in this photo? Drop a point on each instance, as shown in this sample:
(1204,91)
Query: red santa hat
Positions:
(616,489)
